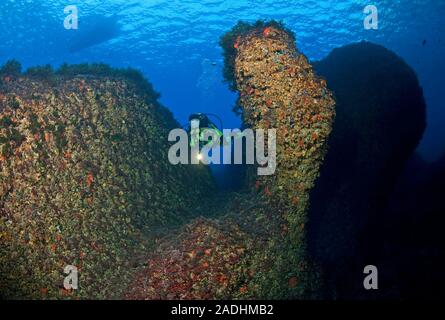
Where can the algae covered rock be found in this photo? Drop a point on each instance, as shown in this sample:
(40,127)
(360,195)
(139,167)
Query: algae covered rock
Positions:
(279,90)
(84,172)
(202,261)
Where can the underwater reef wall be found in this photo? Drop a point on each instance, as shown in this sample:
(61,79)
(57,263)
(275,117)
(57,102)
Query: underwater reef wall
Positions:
(381,117)
(84,173)
(256,247)
(278,89)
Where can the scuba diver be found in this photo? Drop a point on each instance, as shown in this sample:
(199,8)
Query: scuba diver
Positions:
(227,177)
(200,128)
(205,124)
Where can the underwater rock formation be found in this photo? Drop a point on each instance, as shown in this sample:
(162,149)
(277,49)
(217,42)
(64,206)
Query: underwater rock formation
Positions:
(256,248)
(279,90)
(202,261)
(380,120)
(84,174)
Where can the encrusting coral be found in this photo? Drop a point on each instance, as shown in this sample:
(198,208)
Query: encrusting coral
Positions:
(278,89)
(84,174)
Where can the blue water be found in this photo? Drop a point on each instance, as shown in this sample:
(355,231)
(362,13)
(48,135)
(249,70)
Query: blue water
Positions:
(175,43)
